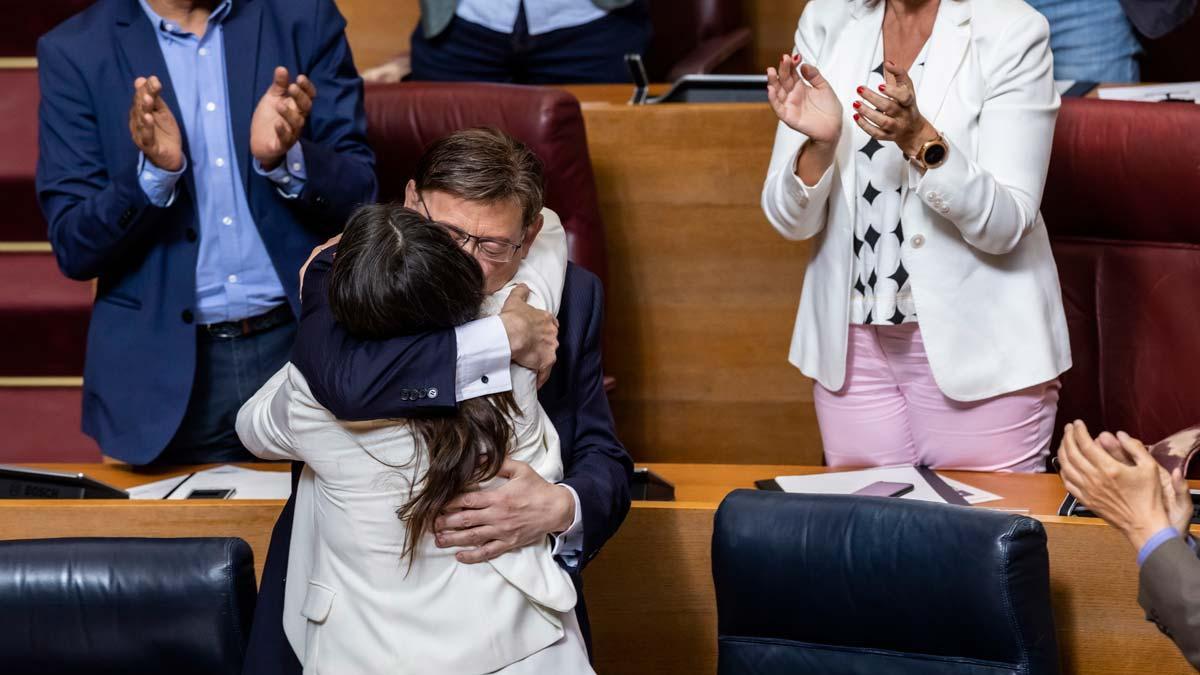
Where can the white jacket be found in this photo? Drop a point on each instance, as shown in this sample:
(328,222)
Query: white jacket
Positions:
(352,605)
(977,252)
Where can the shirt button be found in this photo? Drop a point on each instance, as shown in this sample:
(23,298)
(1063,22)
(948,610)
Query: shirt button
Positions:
(484,379)
(211,106)
(917,241)
(187,316)
(285,180)
(203,51)
(220,162)
(227,220)
(233,278)
(295,166)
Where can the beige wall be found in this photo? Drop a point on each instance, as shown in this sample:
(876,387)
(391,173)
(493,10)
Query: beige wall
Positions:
(380,28)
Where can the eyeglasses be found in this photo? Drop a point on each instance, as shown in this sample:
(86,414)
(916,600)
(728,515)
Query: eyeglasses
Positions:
(488,248)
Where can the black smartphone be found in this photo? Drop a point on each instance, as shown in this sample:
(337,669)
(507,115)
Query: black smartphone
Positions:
(211,494)
(884,488)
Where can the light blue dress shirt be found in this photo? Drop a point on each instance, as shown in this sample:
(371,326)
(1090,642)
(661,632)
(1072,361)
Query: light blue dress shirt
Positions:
(235,278)
(1092,40)
(542,16)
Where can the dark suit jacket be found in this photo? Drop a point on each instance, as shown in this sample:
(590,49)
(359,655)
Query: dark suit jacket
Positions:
(367,380)
(1169,591)
(141,343)
(1156,18)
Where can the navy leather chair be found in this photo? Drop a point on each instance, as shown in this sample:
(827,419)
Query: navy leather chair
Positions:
(856,585)
(128,606)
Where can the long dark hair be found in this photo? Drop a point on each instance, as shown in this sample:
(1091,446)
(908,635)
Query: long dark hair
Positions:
(398,273)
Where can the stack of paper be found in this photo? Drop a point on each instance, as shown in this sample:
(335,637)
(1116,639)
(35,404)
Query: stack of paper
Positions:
(849,482)
(1177,91)
(245,483)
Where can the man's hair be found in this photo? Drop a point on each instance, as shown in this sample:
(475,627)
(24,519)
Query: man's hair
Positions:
(484,165)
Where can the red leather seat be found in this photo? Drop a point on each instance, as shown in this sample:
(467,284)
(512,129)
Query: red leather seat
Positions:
(25,22)
(21,219)
(403,119)
(699,36)
(1121,208)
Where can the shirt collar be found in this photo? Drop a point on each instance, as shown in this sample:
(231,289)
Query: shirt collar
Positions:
(162,25)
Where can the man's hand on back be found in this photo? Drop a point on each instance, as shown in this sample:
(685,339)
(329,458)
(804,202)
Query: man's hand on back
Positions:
(521,512)
(312,256)
(532,333)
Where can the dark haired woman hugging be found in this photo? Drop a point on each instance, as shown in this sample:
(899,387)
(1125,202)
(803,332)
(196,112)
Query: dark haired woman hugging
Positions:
(368,591)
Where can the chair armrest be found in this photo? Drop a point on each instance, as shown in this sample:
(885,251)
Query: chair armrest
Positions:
(710,54)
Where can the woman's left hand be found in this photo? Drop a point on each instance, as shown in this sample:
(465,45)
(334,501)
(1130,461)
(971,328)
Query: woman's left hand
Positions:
(892,114)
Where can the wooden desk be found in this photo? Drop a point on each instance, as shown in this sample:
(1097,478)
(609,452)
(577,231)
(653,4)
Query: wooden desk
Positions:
(650,592)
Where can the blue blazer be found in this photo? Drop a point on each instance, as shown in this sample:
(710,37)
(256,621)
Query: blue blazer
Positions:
(141,350)
(375,386)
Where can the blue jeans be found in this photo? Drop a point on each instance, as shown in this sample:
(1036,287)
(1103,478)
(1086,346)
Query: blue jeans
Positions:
(1092,40)
(228,372)
(594,52)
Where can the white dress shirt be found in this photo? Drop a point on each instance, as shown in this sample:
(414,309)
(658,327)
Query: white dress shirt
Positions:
(542,16)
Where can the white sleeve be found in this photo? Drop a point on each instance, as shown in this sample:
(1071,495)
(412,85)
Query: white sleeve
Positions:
(994,200)
(796,210)
(263,422)
(483,359)
(544,270)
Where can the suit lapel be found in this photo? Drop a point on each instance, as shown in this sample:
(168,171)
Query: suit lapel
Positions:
(851,59)
(143,58)
(241,38)
(947,47)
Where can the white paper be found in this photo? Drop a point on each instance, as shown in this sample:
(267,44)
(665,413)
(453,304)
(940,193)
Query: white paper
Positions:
(1153,92)
(849,482)
(156,490)
(246,483)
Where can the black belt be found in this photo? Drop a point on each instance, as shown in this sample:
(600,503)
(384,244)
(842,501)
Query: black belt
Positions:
(255,324)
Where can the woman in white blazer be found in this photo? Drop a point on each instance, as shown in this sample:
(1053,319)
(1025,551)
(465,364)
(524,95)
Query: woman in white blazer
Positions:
(368,591)
(912,147)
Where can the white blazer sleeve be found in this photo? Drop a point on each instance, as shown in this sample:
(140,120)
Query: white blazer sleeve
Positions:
(544,270)
(994,200)
(263,422)
(796,210)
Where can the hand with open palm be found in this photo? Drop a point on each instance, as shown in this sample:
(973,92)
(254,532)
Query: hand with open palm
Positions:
(804,100)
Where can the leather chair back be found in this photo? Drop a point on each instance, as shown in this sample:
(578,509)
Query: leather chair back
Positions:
(1172,57)
(844,585)
(1121,208)
(696,36)
(25,22)
(404,119)
(127,606)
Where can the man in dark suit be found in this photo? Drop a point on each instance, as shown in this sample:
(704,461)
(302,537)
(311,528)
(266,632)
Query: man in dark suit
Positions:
(487,187)
(1119,480)
(194,206)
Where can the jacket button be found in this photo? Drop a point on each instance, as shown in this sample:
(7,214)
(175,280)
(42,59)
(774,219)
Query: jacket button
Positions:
(917,241)
(187,316)
(191,234)
(484,379)
(433,392)
(321,202)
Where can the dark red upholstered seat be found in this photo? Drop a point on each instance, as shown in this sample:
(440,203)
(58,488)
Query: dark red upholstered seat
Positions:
(1121,207)
(43,316)
(20,219)
(27,20)
(41,424)
(698,36)
(403,119)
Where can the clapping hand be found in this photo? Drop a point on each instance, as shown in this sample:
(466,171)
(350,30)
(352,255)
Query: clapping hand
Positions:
(892,114)
(280,117)
(811,108)
(153,126)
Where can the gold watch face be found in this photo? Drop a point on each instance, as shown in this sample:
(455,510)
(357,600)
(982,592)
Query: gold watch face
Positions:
(934,154)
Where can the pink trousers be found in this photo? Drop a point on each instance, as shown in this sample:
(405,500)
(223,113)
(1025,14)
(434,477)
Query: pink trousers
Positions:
(890,411)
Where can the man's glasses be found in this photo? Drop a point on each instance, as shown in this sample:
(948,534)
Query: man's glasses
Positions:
(495,250)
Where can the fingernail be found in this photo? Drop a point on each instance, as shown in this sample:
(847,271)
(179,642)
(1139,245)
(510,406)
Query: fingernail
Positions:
(796,59)
(857,105)
(859,90)
(883,87)
(855,117)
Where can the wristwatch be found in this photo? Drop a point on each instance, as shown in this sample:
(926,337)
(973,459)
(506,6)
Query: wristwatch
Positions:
(932,155)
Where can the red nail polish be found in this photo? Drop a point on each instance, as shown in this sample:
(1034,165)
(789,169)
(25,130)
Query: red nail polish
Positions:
(859,90)
(857,105)
(796,59)
(855,117)
(883,87)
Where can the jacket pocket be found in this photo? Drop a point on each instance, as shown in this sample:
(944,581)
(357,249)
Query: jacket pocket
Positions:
(318,602)
(120,300)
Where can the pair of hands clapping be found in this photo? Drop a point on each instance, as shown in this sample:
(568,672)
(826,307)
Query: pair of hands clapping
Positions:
(805,101)
(276,126)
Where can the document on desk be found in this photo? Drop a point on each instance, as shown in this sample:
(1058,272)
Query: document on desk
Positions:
(245,484)
(849,482)
(1177,91)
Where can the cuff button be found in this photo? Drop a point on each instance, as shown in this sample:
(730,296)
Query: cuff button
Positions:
(433,393)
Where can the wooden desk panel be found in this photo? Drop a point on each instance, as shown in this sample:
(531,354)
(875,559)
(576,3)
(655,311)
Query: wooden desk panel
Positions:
(650,592)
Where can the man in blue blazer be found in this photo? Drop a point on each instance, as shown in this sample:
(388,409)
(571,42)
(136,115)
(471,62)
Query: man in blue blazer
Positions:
(192,153)
(361,380)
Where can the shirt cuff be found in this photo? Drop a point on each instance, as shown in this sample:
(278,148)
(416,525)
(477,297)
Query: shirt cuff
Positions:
(568,545)
(483,358)
(1158,539)
(290,175)
(157,183)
